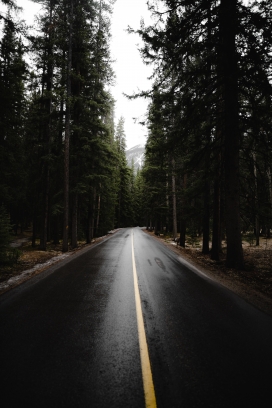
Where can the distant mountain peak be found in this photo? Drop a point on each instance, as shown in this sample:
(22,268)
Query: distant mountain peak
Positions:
(136,154)
(139,146)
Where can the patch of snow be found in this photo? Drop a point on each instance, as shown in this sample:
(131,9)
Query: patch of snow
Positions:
(23,275)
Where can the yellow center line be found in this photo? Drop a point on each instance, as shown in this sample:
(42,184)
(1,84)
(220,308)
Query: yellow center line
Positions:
(149,392)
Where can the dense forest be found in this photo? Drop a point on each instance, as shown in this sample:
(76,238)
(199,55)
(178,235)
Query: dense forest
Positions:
(63,167)
(208,167)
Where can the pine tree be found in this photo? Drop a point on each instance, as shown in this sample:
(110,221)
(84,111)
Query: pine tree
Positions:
(200,51)
(80,104)
(12,104)
(124,214)
(70,18)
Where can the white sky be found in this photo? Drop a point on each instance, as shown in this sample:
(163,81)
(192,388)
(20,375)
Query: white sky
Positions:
(131,73)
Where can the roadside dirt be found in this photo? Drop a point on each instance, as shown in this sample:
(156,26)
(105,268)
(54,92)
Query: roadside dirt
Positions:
(33,261)
(254,284)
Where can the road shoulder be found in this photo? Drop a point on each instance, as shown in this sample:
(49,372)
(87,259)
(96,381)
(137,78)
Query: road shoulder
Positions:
(42,261)
(234,280)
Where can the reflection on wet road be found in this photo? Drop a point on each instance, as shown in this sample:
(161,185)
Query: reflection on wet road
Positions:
(70,336)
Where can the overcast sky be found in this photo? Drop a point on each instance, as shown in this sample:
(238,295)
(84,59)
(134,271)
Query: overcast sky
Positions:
(131,73)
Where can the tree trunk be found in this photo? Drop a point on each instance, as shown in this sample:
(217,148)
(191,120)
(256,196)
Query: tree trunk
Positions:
(269,175)
(119,210)
(90,227)
(91,217)
(216,234)
(257,219)
(218,171)
(167,204)
(98,211)
(206,219)
(47,100)
(174,200)
(74,221)
(67,139)
(206,210)
(55,230)
(182,238)
(182,219)
(229,80)
(34,229)
(44,226)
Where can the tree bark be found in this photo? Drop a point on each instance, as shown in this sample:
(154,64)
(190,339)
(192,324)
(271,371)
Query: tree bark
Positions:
(167,204)
(67,139)
(47,134)
(269,175)
(98,211)
(216,235)
(34,229)
(257,219)
(55,230)
(74,222)
(206,219)
(182,238)
(174,200)
(91,217)
(229,80)
(44,226)
(206,194)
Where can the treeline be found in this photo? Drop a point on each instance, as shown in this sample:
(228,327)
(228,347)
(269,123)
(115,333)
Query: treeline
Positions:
(62,163)
(208,167)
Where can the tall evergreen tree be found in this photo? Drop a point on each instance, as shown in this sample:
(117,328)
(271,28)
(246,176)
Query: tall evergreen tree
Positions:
(200,51)
(124,215)
(12,105)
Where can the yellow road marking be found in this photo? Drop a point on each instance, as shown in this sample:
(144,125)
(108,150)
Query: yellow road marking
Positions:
(149,392)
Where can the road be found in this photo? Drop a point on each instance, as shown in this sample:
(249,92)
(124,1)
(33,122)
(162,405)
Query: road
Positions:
(70,336)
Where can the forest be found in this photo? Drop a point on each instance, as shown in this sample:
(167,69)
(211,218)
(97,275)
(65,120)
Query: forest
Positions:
(208,167)
(208,155)
(63,165)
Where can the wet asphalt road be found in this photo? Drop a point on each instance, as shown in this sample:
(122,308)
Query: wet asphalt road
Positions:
(69,336)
